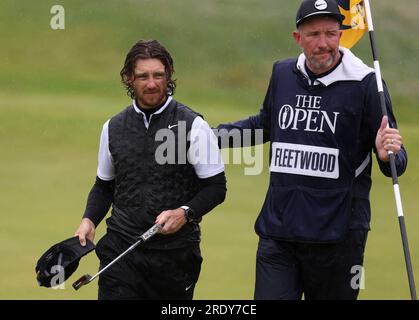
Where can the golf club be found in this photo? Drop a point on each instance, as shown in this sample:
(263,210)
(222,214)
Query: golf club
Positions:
(87,278)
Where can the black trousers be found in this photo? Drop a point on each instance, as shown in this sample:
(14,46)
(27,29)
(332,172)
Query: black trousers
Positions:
(147,274)
(287,270)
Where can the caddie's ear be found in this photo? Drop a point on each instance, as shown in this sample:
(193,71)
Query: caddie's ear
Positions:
(297,37)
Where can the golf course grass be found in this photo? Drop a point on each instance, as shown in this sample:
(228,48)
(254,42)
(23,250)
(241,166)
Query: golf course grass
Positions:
(58,87)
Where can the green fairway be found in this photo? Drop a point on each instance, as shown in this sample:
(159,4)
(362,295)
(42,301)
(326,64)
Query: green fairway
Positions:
(58,87)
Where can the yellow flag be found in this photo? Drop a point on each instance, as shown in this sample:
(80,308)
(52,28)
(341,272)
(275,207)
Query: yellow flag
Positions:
(355,24)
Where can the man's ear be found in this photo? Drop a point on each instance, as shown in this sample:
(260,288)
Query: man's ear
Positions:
(130,79)
(297,37)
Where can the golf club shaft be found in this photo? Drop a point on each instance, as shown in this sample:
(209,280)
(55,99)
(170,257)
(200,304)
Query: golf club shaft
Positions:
(144,237)
(117,258)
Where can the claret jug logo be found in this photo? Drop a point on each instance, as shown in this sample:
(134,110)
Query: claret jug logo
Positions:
(307,115)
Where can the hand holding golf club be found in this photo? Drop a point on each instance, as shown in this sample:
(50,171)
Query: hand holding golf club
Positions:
(171,220)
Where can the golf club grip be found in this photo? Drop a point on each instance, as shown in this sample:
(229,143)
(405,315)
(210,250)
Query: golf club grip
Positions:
(151,232)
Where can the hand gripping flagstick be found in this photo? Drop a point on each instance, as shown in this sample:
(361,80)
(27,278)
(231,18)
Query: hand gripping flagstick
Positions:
(391,154)
(86,279)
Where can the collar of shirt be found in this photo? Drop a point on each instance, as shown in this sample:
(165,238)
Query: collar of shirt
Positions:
(350,69)
(313,77)
(147,123)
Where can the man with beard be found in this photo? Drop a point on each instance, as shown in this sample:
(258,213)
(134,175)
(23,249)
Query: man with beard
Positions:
(322,116)
(159,163)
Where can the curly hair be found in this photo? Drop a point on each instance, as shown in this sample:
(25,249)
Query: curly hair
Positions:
(147,49)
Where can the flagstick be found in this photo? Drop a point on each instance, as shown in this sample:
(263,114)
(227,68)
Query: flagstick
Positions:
(391,155)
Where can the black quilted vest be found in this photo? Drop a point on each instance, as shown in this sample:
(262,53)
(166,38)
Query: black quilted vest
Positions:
(143,187)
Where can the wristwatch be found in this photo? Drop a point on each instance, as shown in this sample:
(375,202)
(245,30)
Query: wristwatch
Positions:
(189,214)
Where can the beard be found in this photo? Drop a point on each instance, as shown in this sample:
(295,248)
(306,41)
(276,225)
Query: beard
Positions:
(149,98)
(322,66)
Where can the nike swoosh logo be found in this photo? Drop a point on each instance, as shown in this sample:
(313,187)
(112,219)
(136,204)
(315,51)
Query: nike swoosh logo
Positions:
(188,287)
(172,126)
